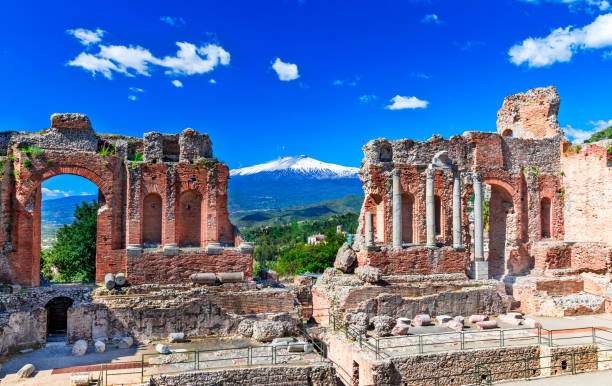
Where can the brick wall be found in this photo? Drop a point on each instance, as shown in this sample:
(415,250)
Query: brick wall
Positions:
(154,267)
(152,201)
(587,193)
(415,260)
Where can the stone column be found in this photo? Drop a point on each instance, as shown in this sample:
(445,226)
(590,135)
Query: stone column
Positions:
(481,267)
(397,210)
(430,207)
(369,229)
(457,242)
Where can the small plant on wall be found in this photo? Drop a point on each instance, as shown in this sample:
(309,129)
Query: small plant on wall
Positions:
(106,149)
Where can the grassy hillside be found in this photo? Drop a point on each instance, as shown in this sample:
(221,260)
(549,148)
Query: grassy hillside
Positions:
(318,211)
(285,244)
(603,134)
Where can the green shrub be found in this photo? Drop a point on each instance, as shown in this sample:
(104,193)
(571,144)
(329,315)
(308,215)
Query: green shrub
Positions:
(138,157)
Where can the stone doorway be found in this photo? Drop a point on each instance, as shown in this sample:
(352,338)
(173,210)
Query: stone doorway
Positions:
(57,318)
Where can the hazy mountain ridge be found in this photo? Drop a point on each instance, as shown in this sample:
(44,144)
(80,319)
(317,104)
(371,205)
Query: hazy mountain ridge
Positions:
(290,182)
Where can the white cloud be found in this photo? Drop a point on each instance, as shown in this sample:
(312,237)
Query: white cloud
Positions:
(579,136)
(431,18)
(562,43)
(136,89)
(173,21)
(188,60)
(212,81)
(135,60)
(337,82)
(85,36)
(367,98)
(94,64)
(601,124)
(607,55)
(128,58)
(602,5)
(402,102)
(53,193)
(177,83)
(132,97)
(285,71)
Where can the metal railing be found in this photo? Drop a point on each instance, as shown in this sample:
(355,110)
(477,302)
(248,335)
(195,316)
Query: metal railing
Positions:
(530,367)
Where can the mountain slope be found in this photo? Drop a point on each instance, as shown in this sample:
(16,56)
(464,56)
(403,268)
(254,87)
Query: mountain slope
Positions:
(290,182)
(319,211)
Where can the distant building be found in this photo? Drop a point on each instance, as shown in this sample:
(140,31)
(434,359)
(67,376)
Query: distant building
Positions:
(315,239)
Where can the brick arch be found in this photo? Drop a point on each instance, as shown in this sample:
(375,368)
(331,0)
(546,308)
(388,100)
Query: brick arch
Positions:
(104,183)
(105,173)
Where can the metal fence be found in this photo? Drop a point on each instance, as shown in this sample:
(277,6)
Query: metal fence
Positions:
(386,347)
(190,360)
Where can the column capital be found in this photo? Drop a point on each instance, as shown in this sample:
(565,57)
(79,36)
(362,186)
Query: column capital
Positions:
(476,177)
(430,172)
(396,172)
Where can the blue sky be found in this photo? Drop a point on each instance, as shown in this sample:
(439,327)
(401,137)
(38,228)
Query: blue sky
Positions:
(289,77)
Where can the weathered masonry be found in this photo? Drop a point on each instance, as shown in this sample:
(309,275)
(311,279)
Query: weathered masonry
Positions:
(425,201)
(162,202)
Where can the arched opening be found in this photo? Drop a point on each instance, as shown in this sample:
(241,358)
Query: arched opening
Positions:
(65,214)
(57,318)
(438,206)
(545,218)
(407,218)
(152,224)
(189,219)
(507,133)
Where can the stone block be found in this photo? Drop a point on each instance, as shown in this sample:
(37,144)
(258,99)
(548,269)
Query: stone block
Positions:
(126,342)
(80,379)
(26,371)
(203,278)
(480,270)
(368,274)
(246,247)
(487,324)
(162,349)
(171,250)
(230,277)
(79,348)
(454,325)
(478,318)
(422,320)
(443,318)
(214,249)
(133,250)
(345,258)
(176,337)
(400,329)
(100,346)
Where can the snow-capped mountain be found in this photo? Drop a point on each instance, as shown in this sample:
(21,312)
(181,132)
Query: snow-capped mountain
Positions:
(289,182)
(299,165)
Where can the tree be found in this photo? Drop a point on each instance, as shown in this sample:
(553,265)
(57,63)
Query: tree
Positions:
(73,256)
(303,258)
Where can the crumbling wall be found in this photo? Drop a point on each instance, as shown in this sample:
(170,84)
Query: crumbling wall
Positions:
(532,114)
(171,165)
(586,192)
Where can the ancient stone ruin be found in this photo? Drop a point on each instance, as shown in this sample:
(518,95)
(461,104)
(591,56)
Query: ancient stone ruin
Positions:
(462,244)
(168,209)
